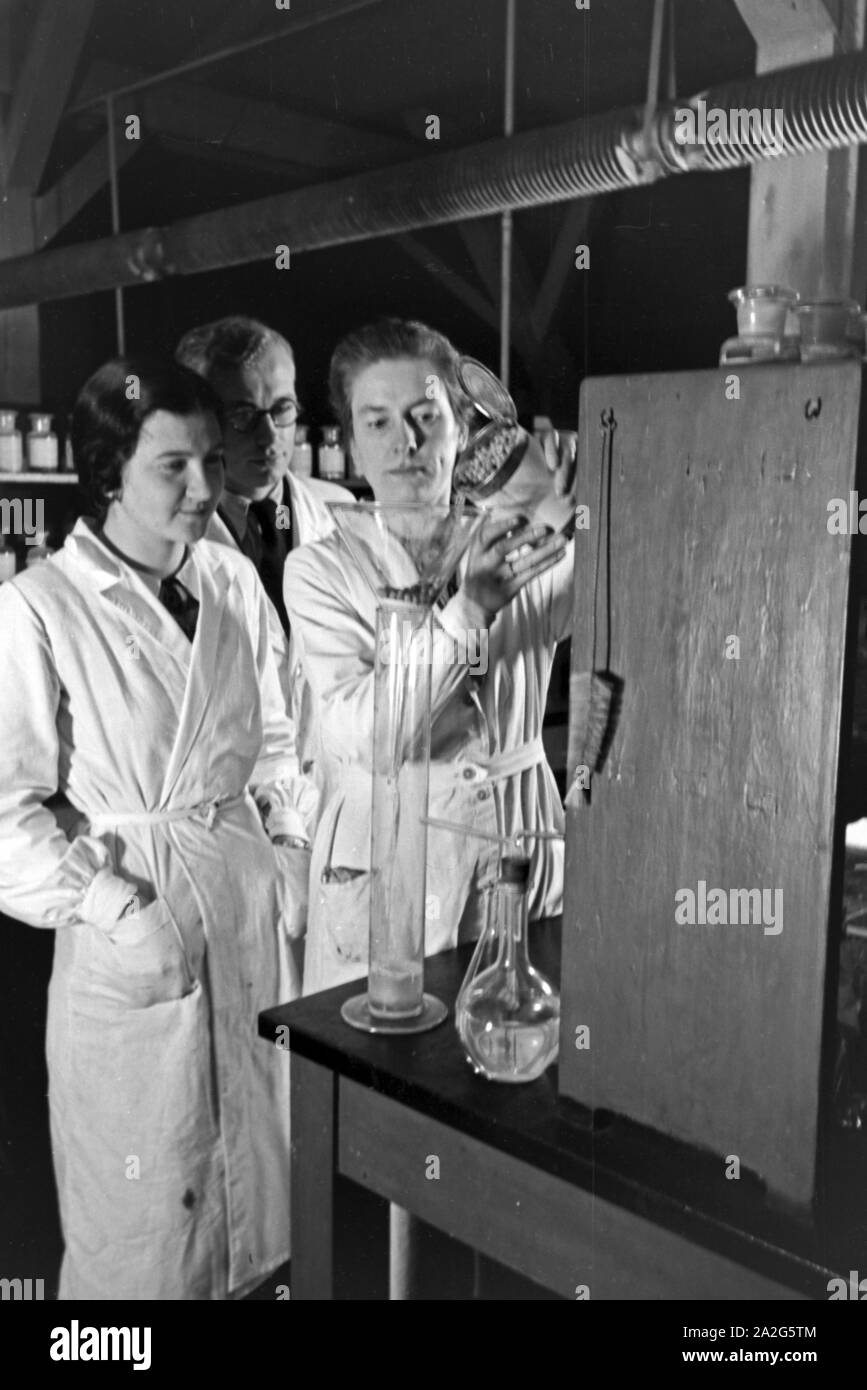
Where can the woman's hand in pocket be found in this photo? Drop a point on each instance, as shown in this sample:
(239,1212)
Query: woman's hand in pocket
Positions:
(294,864)
(142,916)
(136,904)
(141,960)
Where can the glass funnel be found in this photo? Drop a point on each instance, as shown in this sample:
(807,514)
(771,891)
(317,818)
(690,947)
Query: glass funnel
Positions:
(508,1013)
(407,554)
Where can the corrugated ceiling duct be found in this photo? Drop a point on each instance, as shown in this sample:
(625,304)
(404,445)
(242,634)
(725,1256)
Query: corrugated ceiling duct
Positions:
(823,104)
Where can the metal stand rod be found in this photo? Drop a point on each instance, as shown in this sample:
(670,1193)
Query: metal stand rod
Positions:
(120,328)
(402,1254)
(506,225)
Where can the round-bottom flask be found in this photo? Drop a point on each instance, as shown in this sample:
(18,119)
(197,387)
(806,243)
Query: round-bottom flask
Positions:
(508,1014)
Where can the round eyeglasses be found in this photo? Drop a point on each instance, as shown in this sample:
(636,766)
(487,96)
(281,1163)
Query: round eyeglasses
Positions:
(245,418)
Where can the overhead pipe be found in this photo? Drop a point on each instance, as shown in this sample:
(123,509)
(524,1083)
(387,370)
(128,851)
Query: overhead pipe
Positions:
(824,106)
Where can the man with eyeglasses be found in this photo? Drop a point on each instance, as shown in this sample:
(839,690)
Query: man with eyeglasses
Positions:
(265,510)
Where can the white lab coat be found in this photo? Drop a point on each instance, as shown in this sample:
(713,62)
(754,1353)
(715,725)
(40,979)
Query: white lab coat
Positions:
(313,521)
(169,1117)
(482,727)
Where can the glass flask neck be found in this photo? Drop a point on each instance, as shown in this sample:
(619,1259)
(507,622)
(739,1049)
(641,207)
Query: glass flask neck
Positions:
(510,906)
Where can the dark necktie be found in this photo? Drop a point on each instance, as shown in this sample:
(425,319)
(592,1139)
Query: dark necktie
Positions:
(180,603)
(275,548)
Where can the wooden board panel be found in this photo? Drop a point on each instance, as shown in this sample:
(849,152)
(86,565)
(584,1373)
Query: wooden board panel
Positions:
(723,771)
(548,1230)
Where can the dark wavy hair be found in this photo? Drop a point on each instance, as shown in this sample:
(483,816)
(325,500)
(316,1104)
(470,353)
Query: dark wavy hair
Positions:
(385,340)
(113,405)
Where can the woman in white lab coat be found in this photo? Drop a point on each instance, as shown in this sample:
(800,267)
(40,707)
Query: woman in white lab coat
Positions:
(138,680)
(395,388)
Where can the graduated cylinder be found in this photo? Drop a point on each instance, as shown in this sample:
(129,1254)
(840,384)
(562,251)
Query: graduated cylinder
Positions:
(401,759)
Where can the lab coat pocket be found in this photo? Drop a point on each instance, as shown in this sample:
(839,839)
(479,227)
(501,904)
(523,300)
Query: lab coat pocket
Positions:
(140,962)
(344,912)
(341,878)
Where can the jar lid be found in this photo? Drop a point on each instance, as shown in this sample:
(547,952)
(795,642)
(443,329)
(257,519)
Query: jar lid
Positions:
(301,432)
(515,868)
(486,391)
(778,292)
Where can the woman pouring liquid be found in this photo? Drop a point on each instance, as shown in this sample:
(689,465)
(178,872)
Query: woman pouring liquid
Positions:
(138,680)
(395,388)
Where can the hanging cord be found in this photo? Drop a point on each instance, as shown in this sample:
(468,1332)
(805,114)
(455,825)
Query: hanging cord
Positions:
(671,89)
(603,542)
(653,73)
(595,695)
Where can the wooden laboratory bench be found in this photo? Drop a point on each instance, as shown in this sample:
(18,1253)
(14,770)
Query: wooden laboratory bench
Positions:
(526,1180)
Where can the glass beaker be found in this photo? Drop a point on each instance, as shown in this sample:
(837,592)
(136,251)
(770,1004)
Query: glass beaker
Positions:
(508,1014)
(825,328)
(763,311)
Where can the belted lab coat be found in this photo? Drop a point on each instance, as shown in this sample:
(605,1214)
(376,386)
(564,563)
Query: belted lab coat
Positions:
(312,521)
(169,1117)
(488,767)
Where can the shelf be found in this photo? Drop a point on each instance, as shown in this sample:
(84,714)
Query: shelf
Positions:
(19,478)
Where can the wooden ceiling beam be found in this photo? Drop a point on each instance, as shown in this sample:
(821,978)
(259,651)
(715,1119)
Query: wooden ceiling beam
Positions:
(468,295)
(808,27)
(807,214)
(482,239)
(573,228)
(483,244)
(75,188)
(233,25)
(222,157)
(39,95)
(203,115)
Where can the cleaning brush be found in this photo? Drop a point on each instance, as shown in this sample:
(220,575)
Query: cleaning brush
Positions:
(595,696)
